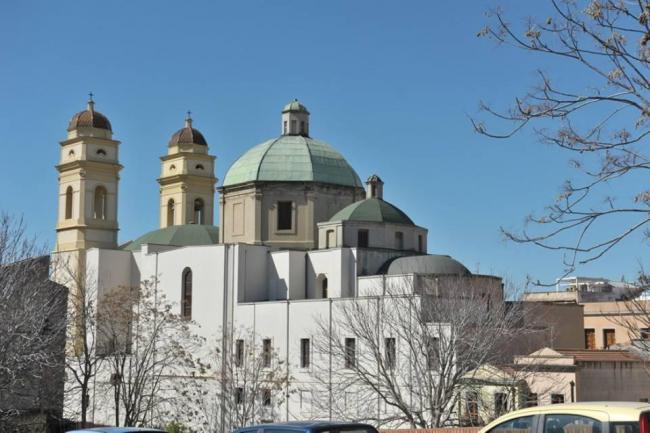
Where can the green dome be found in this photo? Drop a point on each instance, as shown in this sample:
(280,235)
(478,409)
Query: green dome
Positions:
(372,210)
(178,236)
(295,105)
(292,158)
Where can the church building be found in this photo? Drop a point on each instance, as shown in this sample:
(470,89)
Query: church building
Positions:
(298,231)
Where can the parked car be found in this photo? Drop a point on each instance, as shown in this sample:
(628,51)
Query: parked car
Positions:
(118,430)
(309,427)
(592,417)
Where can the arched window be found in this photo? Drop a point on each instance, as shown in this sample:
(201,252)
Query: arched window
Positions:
(99,207)
(68,203)
(399,240)
(321,286)
(170,212)
(101,152)
(198,211)
(199,167)
(186,294)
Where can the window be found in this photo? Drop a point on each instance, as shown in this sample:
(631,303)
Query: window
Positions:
(522,424)
(554,423)
(432,353)
(198,211)
(399,240)
(330,239)
(99,207)
(266,352)
(101,152)
(304,352)
(389,352)
(170,212)
(68,203)
(266,397)
(557,398)
(590,339)
(350,353)
(609,338)
(199,167)
(624,427)
(420,243)
(644,333)
(324,287)
(239,353)
(362,238)
(471,407)
(500,403)
(284,127)
(532,399)
(186,296)
(293,127)
(285,211)
(302,128)
(239,395)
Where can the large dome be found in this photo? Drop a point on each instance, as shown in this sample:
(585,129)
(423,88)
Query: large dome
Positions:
(292,158)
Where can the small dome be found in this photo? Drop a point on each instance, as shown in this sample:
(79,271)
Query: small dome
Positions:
(187,135)
(372,210)
(295,105)
(178,236)
(426,264)
(89,118)
(292,158)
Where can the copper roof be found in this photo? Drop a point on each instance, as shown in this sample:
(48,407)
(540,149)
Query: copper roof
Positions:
(585,355)
(89,118)
(187,135)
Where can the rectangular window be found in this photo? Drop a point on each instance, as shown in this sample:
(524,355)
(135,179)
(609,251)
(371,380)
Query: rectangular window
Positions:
(294,128)
(266,397)
(239,353)
(399,240)
(644,333)
(362,239)
(420,243)
(239,395)
(471,407)
(500,403)
(266,352)
(350,353)
(302,128)
(284,127)
(304,352)
(432,353)
(557,398)
(609,338)
(285,215)
(531,400)
(590,339)
(390,352)
(330,239)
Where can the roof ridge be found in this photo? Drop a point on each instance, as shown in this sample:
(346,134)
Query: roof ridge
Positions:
(259,166)
(311,162)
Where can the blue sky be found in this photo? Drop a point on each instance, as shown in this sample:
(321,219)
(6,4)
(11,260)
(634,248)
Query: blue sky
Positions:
(390,84)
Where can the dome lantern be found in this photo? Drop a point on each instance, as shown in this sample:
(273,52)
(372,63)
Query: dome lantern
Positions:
(375,187)
(89,118)
(295,119)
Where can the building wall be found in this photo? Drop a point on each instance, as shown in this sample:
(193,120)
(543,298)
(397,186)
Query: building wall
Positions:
(380,235)
(612,381)
(617,316)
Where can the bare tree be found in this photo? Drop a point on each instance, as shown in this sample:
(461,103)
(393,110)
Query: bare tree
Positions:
(411,350)
(146,347)
(32,320)
(246,386)
(600,118)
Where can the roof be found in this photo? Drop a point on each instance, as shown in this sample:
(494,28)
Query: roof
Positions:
(89,118)
(424,264)
(292,158)
(295,105)
(602,411)
(187,135)
(372,210)
(586,355)
(180,236)
(117,430)
(304,425)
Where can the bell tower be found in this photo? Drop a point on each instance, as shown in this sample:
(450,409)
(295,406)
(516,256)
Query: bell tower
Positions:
(187,179)
(88,184)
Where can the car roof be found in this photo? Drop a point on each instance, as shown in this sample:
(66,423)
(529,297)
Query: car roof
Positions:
(301,425)
(603,411)
(116,430)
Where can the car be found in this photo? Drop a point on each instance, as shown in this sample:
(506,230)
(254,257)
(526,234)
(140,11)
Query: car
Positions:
(309,427)
(118,430)
(589,417)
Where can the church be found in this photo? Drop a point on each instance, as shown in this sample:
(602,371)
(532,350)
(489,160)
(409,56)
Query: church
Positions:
(298,231)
